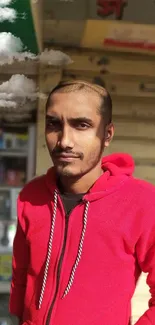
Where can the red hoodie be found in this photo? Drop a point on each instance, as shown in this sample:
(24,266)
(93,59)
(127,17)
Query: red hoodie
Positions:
(84,272)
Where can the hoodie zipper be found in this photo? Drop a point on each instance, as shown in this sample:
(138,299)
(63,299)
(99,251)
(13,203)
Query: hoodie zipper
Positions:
(59,266)
(67,215)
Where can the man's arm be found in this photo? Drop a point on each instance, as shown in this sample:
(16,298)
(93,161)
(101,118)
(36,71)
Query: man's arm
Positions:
(146,257)
(19,267)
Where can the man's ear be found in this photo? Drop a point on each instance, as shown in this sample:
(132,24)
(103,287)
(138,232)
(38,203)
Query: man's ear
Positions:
(109,133)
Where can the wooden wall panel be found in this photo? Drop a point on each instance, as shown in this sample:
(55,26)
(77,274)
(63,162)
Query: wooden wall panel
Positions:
(134,109)
(135,148)
(134,130)
(112,63)
(146,172)
(43,161)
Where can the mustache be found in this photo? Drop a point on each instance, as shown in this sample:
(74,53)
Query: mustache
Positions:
(58,151)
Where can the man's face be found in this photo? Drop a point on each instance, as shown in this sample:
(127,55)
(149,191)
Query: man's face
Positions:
(75,132)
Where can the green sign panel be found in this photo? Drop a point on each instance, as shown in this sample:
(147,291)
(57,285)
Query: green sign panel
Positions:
(23,27)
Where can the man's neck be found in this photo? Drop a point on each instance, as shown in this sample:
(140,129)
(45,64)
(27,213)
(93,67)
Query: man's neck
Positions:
(81,184)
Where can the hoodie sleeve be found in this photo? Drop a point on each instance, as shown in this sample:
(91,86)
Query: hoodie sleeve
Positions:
(146,257)
(19,266)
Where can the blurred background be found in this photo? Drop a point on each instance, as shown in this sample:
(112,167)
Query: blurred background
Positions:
(42,42)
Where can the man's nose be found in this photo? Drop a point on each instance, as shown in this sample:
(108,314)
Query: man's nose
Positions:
(66,138)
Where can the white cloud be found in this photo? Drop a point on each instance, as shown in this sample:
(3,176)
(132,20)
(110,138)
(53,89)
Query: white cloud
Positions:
(4,3)
(53,57)
(9,43)
(19,91)
(6,103)
(19,86)
(7,14)
(6,96)
(10,58)
(12,48)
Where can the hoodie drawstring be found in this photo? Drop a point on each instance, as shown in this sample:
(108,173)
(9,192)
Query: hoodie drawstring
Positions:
(71,280)
(49,249)
(79,254)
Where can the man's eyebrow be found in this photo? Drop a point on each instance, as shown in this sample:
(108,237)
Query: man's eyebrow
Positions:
(71,120)
(52,117)
(81,119)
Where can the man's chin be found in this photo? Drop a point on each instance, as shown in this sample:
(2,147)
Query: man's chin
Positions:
(65,171)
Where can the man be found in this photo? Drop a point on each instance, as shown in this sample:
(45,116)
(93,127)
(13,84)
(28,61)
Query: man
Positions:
(86,229)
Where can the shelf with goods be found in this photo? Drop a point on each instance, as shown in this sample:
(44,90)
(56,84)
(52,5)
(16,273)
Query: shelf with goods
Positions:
(17,167)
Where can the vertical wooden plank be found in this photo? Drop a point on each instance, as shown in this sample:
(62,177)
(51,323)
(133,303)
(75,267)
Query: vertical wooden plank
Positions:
(48,80)
(37,14)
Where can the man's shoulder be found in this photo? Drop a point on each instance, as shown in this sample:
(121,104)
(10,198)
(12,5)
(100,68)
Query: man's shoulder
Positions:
(35,182)
(35,188)
(143,195)
(142,184)
(143,189)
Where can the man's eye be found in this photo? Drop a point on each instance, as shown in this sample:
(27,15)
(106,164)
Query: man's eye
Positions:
(53,125)
(83,126)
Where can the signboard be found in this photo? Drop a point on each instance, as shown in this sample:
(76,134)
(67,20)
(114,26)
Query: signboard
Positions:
(114,35)
(125,25)
(131,37)
(136,11)
(106,8)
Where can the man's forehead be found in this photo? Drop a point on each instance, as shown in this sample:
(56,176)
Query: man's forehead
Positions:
(73,105)
(81,96)
(77,86)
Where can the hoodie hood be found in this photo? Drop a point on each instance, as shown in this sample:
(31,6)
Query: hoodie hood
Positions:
(117,168)
(119,164)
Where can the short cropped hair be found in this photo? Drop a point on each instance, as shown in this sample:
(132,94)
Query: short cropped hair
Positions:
(80,85)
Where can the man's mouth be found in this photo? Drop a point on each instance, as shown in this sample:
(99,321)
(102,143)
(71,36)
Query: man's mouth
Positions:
(65,157)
